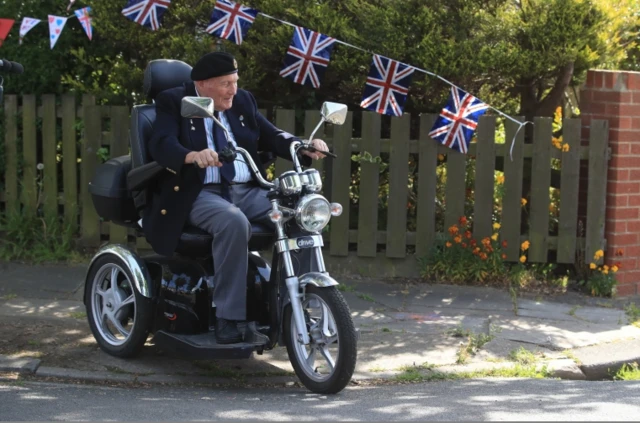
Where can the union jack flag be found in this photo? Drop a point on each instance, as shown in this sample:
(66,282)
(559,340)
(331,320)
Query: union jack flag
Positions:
(231,21)
(307,57)
(85,20)
(387,86)
(146,12)
(458,120)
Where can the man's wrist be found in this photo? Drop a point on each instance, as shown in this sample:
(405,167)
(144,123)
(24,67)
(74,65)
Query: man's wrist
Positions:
(189,157)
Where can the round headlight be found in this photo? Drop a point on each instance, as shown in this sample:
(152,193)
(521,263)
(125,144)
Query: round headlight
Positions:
(313,213)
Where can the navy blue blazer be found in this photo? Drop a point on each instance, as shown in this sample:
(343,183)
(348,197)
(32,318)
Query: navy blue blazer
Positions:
(172,139)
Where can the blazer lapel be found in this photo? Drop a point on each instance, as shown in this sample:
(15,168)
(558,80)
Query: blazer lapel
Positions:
(197,133)
(236,127)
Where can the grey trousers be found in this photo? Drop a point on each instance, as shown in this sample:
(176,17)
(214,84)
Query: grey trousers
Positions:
(229,225)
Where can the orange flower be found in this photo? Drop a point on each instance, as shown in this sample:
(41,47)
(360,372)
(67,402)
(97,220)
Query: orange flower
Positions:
(490,249)
(523,201)
(448,244)
(504,256)
(453,230)
(525,245)
(565,147)
(486,242)
(523,259)
(619,252)
(467,234)
(504,244)
(441,157)
(483,256)
(476,250)
(458,239)
(463,221)
(618,265)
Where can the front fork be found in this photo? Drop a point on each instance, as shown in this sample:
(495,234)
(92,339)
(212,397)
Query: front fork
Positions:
(293,283)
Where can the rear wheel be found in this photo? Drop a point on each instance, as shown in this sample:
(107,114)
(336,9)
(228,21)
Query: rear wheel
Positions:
(327,364)
(119,316)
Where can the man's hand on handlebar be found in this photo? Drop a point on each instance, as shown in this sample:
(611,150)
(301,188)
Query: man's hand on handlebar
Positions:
(204,158)
(317,144)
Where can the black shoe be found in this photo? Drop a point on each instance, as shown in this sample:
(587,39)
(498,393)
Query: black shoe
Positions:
(227,332)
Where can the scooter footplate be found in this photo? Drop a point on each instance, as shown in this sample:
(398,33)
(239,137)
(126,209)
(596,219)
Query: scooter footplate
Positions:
(203,346)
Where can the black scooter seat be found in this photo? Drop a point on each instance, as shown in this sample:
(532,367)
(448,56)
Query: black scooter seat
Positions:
(203,346)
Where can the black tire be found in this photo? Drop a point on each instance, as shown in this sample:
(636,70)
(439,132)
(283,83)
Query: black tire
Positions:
(346,339)
(141,312)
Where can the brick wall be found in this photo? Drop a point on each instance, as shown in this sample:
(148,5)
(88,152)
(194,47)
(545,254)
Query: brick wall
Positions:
(615,96)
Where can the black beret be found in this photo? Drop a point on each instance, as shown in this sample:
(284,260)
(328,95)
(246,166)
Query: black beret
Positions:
(214,64)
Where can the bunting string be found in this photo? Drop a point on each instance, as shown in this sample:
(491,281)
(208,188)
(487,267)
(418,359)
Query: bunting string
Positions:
(307,58)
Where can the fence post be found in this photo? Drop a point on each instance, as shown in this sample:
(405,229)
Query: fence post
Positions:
(11,154)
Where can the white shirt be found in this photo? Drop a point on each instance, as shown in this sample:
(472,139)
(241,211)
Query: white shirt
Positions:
(243,174)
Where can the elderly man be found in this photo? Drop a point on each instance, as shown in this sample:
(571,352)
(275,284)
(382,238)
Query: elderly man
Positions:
(219,198)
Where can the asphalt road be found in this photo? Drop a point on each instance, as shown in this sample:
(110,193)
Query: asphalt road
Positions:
(490,399)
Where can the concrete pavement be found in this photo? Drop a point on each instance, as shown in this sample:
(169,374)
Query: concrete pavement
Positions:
(406,327)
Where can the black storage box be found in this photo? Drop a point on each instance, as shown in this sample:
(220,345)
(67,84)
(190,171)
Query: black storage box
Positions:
(111,198)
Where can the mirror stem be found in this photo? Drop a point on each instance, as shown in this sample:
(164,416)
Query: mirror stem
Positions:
(314,131)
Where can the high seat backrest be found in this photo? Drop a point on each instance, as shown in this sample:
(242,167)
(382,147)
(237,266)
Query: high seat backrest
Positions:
(159,75)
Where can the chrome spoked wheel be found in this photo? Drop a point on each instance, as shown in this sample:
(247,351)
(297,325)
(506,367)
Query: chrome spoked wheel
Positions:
(326,364)
(119,316)
(114,304)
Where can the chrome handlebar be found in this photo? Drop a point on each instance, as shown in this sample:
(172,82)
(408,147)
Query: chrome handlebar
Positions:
(252,165)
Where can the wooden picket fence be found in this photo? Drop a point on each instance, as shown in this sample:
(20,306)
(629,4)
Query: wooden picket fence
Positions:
(49,136)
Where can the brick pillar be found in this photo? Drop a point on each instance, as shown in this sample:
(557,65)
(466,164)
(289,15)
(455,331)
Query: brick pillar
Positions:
(615,96)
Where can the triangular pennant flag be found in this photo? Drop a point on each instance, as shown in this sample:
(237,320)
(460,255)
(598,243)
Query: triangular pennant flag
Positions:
(231,21)
(307,57)
(85,20)
(56,24)
(458,120)
(387,86)
(5,28)
(27,25)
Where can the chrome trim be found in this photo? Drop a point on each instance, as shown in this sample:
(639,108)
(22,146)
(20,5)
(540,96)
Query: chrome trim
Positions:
(261,181)
(137,267)
(292,243)
(312,179)
(290,183)
(303,203)
(319,260)
(321,280)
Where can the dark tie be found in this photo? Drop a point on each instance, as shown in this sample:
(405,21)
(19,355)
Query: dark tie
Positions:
(228,170)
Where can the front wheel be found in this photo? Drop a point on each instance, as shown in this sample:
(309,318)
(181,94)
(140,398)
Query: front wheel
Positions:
(326,365)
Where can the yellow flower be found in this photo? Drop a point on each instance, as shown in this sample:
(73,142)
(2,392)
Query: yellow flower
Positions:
(605,272)
(500,179)
(525,245)
(592,266)
(523,259)
(494,237)
(605,267)
(565,147)
(614,269)
(598,254)
(523,201)
(496,226)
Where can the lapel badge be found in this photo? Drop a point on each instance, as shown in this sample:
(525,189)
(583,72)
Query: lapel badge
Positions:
(241,120)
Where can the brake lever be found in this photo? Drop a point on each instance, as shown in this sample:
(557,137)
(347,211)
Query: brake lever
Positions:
(326,153)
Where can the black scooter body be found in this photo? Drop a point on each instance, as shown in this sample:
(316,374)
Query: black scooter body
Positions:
(184,318)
